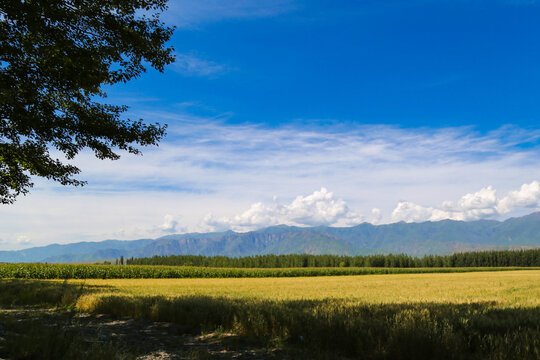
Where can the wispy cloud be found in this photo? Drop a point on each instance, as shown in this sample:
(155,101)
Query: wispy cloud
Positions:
(209,165)
(193,12)
(191,65)
(208,156)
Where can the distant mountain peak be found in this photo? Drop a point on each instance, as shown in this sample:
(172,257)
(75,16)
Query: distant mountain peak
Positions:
(434,237)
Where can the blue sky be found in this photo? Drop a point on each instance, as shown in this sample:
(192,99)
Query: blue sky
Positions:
(410,63)
(316,113)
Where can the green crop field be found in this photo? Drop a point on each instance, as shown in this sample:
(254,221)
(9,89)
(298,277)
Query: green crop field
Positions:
(81,271)
(467,315)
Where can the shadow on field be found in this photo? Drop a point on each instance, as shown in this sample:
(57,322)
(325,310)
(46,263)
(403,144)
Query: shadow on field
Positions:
(19,292)
(52,335)
(306,329)
(330,329)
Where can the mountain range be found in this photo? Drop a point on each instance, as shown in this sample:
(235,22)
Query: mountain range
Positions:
(438,237)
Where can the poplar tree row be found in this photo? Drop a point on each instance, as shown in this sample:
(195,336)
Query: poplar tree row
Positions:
(467,259)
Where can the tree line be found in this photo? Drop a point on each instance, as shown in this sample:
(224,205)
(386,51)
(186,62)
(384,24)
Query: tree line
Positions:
(499,258)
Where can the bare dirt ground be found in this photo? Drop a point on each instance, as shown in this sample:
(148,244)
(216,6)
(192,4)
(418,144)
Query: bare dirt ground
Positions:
(146,340)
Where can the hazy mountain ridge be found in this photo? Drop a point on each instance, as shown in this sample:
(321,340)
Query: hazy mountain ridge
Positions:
(438,237)
(82,250)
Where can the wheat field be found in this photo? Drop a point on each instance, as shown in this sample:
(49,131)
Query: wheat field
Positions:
(504,289)
(476,315)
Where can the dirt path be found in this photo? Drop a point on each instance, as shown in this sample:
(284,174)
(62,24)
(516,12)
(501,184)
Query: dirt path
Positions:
(147,340)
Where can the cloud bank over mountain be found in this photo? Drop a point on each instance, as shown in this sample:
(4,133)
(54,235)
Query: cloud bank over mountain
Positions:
(318,208)
(322,208)
(483,204)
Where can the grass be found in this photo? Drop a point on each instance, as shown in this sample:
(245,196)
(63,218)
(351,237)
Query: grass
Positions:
(474,315)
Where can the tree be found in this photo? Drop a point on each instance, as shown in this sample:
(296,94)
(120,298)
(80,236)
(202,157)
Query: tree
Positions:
(56,56)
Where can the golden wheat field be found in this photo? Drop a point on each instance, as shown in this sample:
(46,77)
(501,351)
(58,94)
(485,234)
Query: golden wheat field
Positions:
(505,289)
(475,315)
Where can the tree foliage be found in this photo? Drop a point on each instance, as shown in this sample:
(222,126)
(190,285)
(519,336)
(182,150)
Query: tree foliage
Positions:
(56,56)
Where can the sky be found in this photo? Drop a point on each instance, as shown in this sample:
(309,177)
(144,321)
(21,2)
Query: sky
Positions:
(315,113)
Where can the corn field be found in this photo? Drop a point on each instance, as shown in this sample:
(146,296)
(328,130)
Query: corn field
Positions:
(75,271)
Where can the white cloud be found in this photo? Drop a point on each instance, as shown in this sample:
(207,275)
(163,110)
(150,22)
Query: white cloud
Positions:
(528,196)
(319,208)
(483,199)
(191,65)
(169,224)
(376,216)
(15,242)
(411,212)
(23,240)
(483,204)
